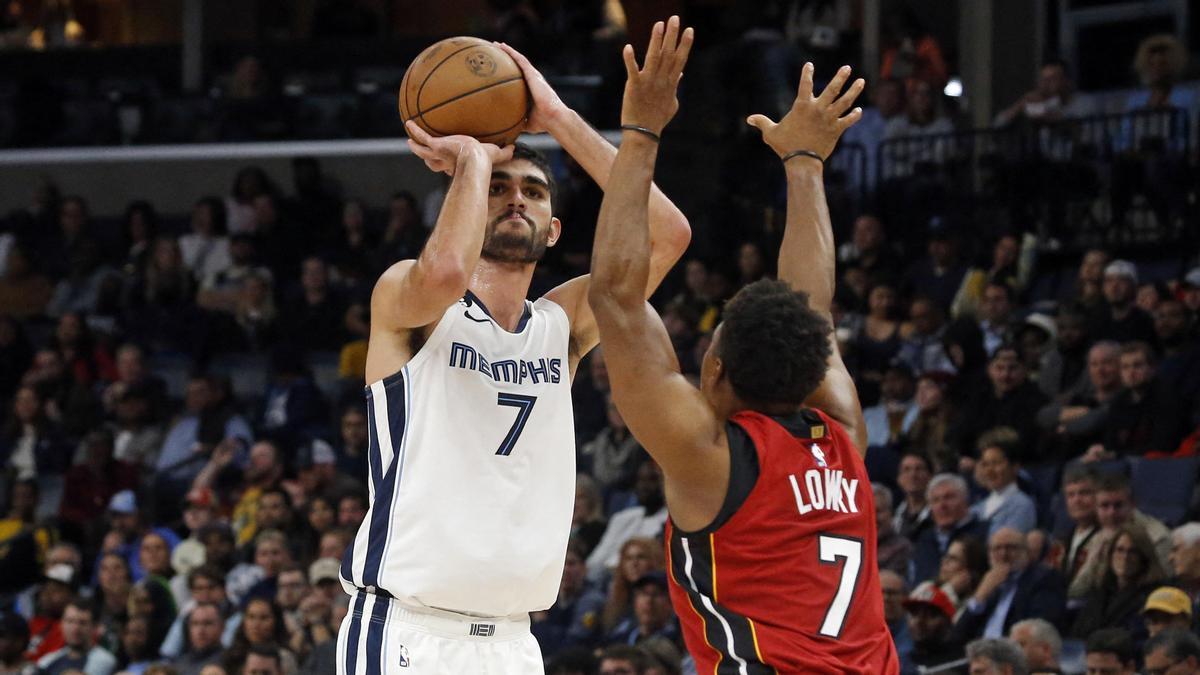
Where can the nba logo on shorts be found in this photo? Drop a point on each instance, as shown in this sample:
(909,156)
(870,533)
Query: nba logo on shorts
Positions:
(403,657)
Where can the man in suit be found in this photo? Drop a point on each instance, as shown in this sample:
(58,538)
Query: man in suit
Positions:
(1013,589)
(951,517)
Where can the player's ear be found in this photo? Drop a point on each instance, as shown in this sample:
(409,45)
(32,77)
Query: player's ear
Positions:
(555,231)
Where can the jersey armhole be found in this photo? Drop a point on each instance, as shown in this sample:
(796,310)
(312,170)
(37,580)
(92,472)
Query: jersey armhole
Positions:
(743,476)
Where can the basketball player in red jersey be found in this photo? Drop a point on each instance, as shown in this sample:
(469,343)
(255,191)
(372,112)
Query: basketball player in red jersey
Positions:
(772,532)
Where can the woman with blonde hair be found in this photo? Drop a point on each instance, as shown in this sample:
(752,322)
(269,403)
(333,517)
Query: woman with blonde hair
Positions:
(639,556)
(1130,570)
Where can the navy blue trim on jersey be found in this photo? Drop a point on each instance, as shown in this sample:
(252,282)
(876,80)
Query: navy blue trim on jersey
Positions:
(375,630)
(353,633)
(473,299)
(385,488)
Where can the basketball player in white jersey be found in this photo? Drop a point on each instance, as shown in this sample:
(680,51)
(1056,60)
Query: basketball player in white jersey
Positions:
(472,458)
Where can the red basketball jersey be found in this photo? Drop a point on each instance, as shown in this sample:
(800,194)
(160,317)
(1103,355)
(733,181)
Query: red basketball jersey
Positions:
(789,583)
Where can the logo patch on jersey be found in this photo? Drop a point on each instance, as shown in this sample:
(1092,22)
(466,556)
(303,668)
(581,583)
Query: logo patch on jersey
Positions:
(404,662)
(819,456)
(483,629)
(817,431)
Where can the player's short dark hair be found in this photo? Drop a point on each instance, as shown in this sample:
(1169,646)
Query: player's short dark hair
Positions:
(774,346)
(522,151)
(1113,641)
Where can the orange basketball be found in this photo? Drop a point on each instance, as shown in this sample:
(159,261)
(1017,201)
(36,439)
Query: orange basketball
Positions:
(464,85)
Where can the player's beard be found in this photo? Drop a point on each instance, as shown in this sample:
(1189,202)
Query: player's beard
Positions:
(523,245)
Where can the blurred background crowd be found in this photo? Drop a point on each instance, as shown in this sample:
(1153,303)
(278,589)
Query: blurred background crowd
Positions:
(183,443)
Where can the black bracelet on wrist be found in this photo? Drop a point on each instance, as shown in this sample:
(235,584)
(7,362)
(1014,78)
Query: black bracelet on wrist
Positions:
(803,153)
(642,130)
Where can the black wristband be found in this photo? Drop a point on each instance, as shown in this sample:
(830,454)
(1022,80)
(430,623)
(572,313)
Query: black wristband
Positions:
(803,153)
(642,130)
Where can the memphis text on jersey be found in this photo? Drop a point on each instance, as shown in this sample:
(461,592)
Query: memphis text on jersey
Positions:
(508,371)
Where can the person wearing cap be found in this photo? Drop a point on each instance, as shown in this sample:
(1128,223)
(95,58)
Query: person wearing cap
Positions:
(1189,290)
(889,420)
(652,613)
(45,628)
(930,616)
(1144,417)
(1167,607)
(14,637)
(1075,420)
(78,652)
(1119,318)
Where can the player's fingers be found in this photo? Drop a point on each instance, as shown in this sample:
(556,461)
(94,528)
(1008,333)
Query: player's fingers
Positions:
(681,54)
(654,51)
(416,133)
(670,42)
(504,154)
(806,82)
(850,120)
(760,122)
(516,56)
(631,67)
(835,85)
(843,103)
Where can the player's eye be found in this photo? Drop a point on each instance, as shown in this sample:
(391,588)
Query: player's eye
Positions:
(533,193)
(496,189)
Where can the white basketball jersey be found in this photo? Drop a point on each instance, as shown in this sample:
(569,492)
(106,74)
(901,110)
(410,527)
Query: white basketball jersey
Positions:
(472,467)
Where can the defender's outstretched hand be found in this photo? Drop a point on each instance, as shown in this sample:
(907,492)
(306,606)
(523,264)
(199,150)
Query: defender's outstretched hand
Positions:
(815,123)
(649,100)
(547,106)
(441,152)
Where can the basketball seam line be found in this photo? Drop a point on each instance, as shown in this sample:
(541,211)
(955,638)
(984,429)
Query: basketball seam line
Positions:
(452,99)
(435,69)
(480,135)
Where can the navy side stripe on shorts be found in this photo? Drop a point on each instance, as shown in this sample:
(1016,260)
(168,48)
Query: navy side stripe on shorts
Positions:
(375,628)
(355,630)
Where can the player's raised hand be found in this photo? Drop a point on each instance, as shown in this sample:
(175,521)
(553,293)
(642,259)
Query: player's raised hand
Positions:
(547,106)
(441,153)
(815,123)
(650,100)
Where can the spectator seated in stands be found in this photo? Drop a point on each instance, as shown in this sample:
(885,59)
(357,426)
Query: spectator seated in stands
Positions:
(895,592)
(1179,368)
(613,456)
(951,518)
(1013,589)
(929,435)
(639,556)
(889,420)
(869,249)
(996,315)
(1161,62)
(1166,607)
(1005,504)
(1145,418)
(1116,596)
(314,313)
(642,520)
(575,618)
(961,570)
(1111,650)
(46,625)
(1114,510)
(1075,420)
(1053,99)
(922,117)
(14,637)
(1079,483)
(78,651)
(204,646)
(996,656)
(206,584)
(930,617)
(1041,643)
(887,104)
(90,485)
(624,660)
(893,551)
(913,476)
(1119,318)
(1010,400)
(587,517)
(875,341)
(1173,652)
(1185,562)
(922,347)
(939,274)
(1064,367)
(652,614)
